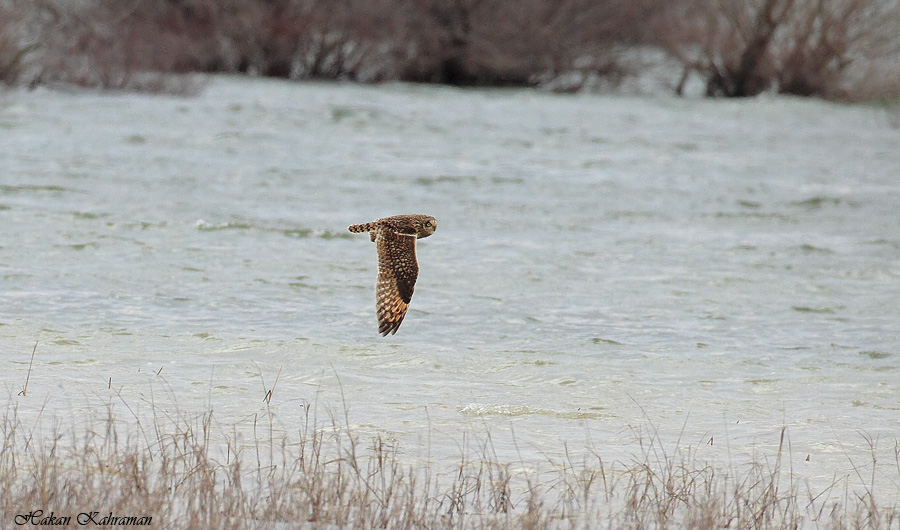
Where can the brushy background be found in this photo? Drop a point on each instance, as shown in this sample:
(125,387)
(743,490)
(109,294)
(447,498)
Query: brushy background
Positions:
(837,49)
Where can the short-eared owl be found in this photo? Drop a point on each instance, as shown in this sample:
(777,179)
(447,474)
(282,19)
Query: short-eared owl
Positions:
(395,239)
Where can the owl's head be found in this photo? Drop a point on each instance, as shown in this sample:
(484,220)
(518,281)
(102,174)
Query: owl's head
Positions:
(425,225)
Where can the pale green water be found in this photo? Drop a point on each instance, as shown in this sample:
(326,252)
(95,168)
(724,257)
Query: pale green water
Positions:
(601,263)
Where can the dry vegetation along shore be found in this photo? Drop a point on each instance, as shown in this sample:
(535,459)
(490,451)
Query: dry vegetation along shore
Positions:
(176,472)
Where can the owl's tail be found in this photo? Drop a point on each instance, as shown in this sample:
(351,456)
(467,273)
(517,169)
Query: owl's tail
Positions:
(359,229)
(371,228)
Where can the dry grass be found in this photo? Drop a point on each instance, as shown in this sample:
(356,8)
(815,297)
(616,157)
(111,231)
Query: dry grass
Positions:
(325,476)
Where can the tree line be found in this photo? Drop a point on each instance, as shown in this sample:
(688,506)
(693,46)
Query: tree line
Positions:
(839,49)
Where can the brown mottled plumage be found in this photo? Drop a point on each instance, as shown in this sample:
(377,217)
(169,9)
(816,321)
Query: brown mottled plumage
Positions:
(395,239)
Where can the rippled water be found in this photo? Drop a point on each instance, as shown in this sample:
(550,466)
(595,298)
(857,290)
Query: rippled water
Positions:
(603,266)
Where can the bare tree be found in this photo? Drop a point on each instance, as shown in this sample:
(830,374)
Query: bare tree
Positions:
(804,47)
(830,38)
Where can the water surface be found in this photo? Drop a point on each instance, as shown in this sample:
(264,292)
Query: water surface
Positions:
(603,266)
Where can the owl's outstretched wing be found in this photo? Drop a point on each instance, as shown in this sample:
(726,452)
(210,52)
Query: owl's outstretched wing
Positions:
(397,273)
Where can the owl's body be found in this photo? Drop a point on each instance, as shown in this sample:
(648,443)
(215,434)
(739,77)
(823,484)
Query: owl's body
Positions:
(395,240)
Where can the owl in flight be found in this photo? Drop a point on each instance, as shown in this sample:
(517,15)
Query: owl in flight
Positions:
(395,239)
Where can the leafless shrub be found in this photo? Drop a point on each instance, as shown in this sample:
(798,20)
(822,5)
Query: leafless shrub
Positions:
(333,39)
(16,41)
(134,44)
(825,48)
(116,45)
(465,42)
(493,42)
(831,42)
